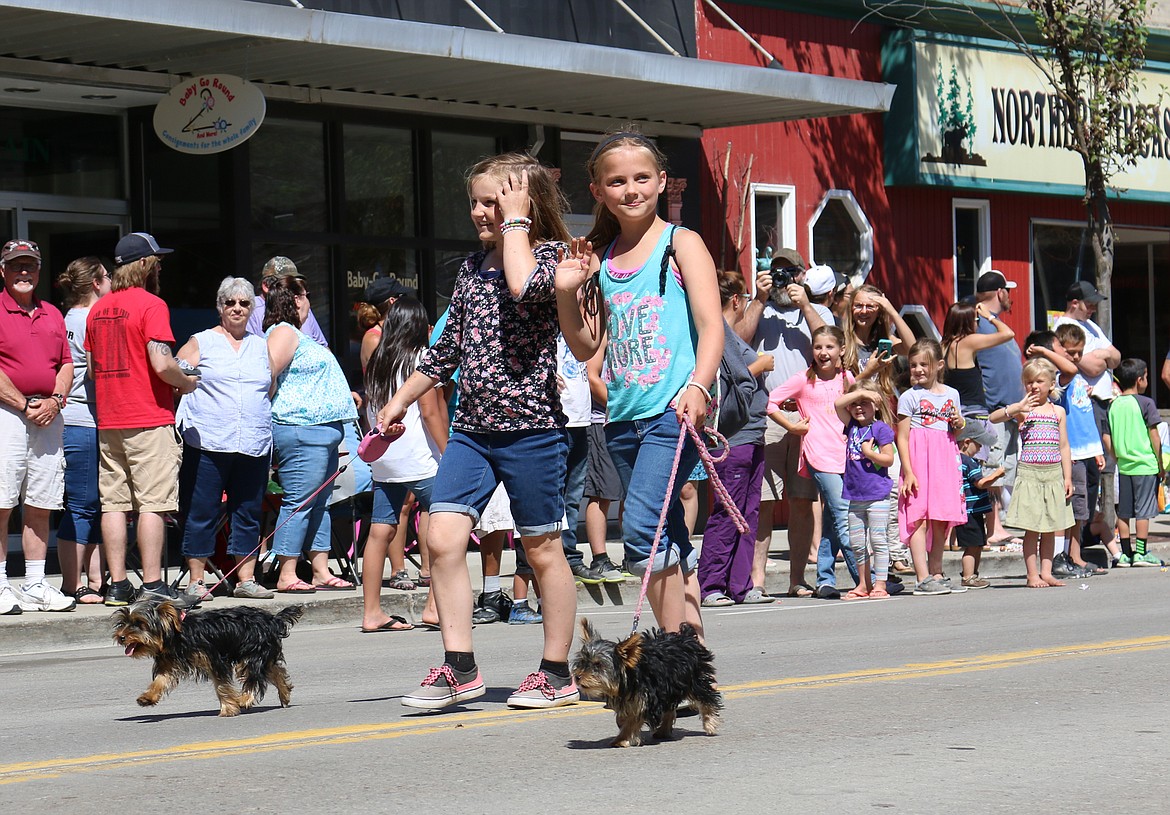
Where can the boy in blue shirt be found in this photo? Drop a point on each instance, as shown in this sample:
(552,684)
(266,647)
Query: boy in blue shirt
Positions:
(972,535)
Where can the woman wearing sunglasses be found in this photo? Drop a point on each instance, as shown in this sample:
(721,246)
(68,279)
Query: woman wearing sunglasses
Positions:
(226,425)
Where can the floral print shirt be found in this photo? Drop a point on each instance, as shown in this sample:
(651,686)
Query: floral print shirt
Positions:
(505,348)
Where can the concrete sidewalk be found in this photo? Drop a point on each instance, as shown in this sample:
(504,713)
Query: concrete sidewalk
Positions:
(89,625)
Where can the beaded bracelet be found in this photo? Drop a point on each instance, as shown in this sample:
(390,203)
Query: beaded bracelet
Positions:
(706,393)
(516,222)
(517,228)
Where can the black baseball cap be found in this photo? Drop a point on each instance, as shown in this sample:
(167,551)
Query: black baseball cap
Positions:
(382,289)
(993,281)
(136,246)
(1083,290)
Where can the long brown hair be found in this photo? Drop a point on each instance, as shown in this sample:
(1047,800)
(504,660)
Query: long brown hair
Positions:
(880,330)
(549,204)
(838,335)
(76,282)
(605,223)
(141,273)
(960,322)
(280,305)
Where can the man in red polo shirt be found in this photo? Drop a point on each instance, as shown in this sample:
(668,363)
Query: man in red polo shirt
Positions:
(36,369)
(127,343)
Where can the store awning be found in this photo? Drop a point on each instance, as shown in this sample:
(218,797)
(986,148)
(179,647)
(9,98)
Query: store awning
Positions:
(317,56)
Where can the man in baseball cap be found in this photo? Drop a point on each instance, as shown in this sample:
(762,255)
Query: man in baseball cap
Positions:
(993,280)
(277,267)
(136,246)
(36,371)
(1084,291)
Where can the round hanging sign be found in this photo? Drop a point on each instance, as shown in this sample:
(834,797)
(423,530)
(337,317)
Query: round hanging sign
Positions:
(209,114)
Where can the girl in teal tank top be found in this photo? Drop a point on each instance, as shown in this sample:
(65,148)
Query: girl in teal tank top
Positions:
(655,309)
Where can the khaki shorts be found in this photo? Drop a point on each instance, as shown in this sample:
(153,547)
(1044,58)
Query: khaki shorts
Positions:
(139,469)
(781,462)
(32,462)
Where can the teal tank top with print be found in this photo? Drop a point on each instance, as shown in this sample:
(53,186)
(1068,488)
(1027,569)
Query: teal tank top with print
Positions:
(652,337)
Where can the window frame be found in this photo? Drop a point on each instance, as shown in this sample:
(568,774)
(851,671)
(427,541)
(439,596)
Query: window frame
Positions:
(787,194)
(857,215)
(983,206)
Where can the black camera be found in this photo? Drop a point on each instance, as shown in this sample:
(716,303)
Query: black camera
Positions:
(785,276)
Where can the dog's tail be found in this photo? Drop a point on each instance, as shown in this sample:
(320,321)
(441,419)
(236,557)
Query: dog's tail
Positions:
(287,617)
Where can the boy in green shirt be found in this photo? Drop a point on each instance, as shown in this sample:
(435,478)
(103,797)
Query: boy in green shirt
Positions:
(1134,442)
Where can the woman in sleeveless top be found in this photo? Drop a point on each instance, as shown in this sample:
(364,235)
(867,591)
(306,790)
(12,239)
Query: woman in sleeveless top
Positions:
(226,425)
(960,344)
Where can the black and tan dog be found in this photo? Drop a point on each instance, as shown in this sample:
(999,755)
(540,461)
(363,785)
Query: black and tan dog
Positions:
(220,646)
(645,677)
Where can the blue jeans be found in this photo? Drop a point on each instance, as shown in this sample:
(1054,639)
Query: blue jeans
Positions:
(388,498)
(81,520)
(578,467)
(834,529)
(529,463)
(643,453)
(203,479)
(304,456)
(363,478)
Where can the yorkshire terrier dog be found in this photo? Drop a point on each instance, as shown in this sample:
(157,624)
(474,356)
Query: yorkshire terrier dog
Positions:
(645,677)
(221,646)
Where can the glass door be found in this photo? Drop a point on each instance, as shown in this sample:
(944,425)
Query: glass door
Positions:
(65,236)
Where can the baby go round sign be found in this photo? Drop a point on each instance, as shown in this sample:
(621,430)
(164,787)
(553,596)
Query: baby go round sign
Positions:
(209,114)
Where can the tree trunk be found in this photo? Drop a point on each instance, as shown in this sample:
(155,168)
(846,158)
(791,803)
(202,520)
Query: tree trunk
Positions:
(1101,237)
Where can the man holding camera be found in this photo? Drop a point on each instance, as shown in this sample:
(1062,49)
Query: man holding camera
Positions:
(779,321)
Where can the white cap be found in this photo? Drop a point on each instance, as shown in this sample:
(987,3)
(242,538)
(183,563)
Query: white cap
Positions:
(820,279)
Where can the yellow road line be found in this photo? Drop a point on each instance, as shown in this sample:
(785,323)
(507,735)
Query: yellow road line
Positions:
(352,734)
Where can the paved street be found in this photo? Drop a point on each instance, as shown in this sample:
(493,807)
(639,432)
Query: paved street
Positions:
(983,702)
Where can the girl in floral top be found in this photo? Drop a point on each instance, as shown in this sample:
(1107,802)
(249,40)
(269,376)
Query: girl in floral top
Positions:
(501,333)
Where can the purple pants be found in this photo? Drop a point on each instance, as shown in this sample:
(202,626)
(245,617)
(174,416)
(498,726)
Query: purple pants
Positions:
(725,561)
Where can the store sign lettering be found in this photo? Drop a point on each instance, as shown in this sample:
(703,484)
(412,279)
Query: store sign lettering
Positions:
(988,116)
(1038,119)
(209,114)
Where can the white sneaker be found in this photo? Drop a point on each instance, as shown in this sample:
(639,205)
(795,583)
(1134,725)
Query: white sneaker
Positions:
(44,597)
(9,604)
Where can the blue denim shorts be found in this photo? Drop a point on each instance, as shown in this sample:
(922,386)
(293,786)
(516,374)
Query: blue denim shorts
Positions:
(643,453)
(81,520)
(388,498)
(529,463)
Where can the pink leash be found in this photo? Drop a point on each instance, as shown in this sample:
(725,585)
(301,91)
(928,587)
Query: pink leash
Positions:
(709,462)
(302,505)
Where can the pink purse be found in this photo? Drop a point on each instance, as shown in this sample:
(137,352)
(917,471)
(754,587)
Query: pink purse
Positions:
(374,443)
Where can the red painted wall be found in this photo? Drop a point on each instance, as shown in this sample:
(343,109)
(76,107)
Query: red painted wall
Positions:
(913,229)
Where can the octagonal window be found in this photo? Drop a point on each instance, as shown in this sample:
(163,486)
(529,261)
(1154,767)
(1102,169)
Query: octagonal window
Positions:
(840,235)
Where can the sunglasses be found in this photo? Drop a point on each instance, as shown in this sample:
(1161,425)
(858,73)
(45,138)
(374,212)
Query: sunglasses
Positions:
(233,303)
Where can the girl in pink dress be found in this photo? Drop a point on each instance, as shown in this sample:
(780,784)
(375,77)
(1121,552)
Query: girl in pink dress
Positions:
(930,500)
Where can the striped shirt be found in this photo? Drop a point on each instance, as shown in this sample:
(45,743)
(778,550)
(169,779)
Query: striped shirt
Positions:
(1040,439)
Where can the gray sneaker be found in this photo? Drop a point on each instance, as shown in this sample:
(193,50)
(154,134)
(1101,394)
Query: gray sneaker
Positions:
(955,588)
(198,591)
(931,586)
(165,592)
(251,590)
(609,572)
(586,574)
(443,687)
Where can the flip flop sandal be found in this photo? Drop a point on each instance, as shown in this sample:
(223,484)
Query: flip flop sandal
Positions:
(854,594)
(879,594)
(717,600)
(801,590)
(334,584)
(395,623)
(86,591)
(299,587)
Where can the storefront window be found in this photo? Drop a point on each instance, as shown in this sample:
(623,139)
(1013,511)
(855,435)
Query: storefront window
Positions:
(773,222)
(1060,255)
(313,263)
(841,235)
(56,152)
(453,155)
(288,177)
(379,181)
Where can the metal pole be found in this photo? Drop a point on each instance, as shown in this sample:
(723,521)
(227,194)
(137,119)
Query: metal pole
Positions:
(483,16)
(772,61)
(649,30)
